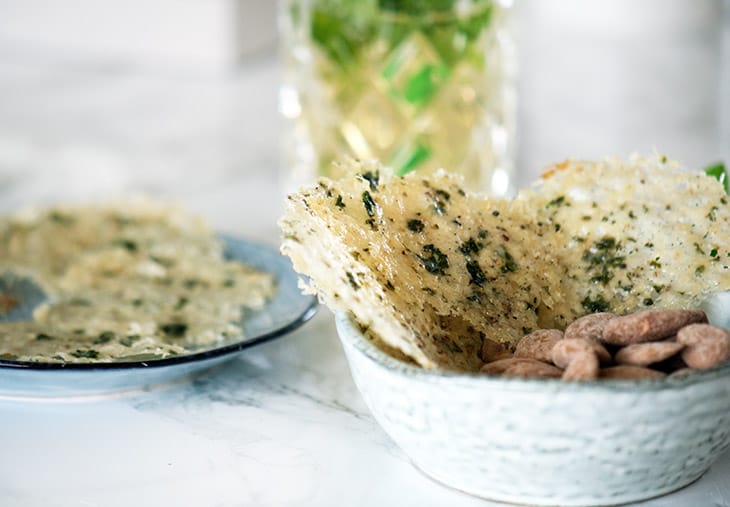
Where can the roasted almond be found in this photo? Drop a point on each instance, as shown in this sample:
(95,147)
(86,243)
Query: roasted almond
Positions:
(565,350)
(494,351)
(521,367)
(584,366)
(706,345)
(649,325)
(538,344)
(643,354)
(589,327)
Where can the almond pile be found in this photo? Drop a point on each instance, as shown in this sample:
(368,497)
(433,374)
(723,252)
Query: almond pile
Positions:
(646,344)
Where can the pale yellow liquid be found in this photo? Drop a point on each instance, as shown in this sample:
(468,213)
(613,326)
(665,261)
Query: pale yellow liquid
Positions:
(413,105)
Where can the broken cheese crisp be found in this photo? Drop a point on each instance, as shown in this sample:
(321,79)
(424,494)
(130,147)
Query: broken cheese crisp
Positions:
(428,268)
(634,235)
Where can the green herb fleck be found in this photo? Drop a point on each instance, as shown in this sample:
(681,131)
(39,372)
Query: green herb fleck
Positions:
(369,203)
(603,259)
(415,225)
(372,178)
(339,202)
(470,247)
(127,244)
(434,260)
(699,270)
(61,218)
(174,329)
(43,337)
(698,249)
(104,337)
(85,353)
(128,341)
(713,252)
(439,199)
(712,215)
(475,272)
(181,302)
(352,281)
(558,201)
(648,302)
(509,266)
(598,304)
(191,283)
(719,172)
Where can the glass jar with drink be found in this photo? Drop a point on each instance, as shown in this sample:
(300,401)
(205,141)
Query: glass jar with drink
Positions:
(419,85)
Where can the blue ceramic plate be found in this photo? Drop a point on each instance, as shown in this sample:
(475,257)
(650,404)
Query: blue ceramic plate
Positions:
(288,310)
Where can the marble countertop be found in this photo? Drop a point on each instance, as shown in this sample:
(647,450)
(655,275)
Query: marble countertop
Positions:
(282,423)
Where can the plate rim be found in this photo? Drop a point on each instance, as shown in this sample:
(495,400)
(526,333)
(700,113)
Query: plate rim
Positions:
(309,311)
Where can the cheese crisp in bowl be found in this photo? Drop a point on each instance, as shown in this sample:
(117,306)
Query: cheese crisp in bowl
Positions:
(428,281)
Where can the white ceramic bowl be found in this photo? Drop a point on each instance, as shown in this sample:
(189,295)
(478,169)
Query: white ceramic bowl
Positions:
(545,442)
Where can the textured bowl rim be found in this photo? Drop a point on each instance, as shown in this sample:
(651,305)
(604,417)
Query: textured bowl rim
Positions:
(351,333)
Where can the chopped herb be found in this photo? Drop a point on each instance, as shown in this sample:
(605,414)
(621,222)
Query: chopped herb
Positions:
(181,302)
(713,252)
(476,273)
(339,202)
(442,193)
(352,281)
(631,215)
(719,172)
(475,297)
(191,283)
(370,205)
(495,213)
(655,263)
(603,259)
(649,245)
(558,201)
(648,302)
(79,302)
(415,225)
(61,218)
(598,304)
(712,215)
(439,199)
(482,234)
(389,285)
(174,329)
(372,178)
(699,270)
(557,227)
(43,337)
(470,247)
(127,244)
(698,249)
(85,354)
(104,337)
(168,263)
(434,260)
(510,266)
(128,341)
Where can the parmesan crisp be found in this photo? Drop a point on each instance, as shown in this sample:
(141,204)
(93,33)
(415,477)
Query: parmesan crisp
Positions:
(431,270)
